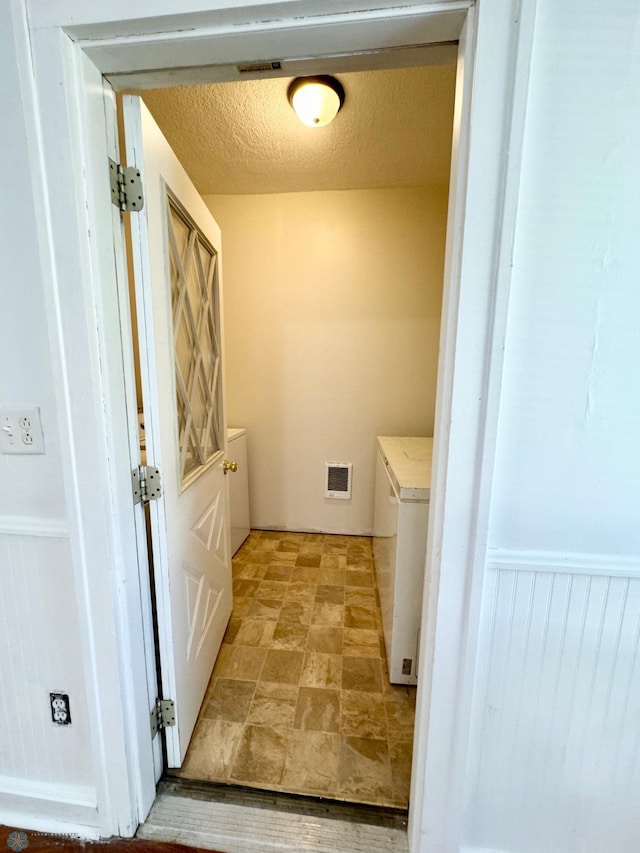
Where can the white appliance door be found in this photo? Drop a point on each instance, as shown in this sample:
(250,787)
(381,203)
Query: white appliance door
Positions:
(177,273)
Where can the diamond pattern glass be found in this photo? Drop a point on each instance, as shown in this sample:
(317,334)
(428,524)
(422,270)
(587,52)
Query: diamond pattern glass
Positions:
(196,336)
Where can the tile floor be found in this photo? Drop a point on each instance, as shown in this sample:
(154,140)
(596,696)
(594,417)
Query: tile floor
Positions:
(299,700)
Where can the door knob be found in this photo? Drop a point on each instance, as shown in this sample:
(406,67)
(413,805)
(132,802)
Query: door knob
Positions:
(229,466)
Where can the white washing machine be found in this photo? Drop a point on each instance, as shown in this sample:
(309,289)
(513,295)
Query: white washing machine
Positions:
(400,526)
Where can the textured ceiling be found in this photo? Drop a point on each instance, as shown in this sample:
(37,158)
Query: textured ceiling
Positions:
(394,130)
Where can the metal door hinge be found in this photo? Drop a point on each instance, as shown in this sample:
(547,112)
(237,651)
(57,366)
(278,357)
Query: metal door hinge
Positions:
(145,484)
(163,715)
(126,186)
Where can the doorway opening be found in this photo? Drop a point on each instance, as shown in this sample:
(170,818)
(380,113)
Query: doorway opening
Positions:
(396,290)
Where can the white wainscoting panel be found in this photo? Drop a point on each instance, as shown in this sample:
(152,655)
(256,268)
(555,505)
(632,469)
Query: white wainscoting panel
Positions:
(40,639)
(556,727)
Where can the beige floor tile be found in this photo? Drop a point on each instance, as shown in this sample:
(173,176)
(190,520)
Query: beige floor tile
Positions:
(361,642)
(288,545)
(273,705)
(312,546)
(232,631)
(255,632)
(212,750)
(272,589)
(357,616)
(276,572)
(305,574)
(282,667)
(308,561)
(333,561)
(300,591)
(330,593)
(296,611)
(400,754)
(325,639)
(360,596)
(260,756)
(362,674)
(364,772)
(317,710)
(331,576)
(330,615)
(289,635)
(250,571)
(243,663)
(320,670)
(363,715)
(354,577)
(312,763)
(361,563)
(229,700)
(241,607)
(264,608)
(401,711)
(262,557)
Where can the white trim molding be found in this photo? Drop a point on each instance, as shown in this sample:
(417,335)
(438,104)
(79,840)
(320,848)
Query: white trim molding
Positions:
(563,562)
(22,525)
(49,807)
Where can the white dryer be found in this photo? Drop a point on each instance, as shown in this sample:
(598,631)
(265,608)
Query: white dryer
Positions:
(400,526)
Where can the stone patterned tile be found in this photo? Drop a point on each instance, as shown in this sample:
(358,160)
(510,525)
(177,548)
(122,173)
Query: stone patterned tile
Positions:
(300,707)
(331,593)
(317,710)
(400,755)
(358,616)
(363,715)
(330,576)
(273,705)
(320,670)
(276,572)
(283,667)
(229,700)
(242,663)
(361,642)
(325,640)
(312,763)
(296,611)
(308,561)
(327,614)
(260,756)
(300,591)
(364,772)
(355,577)
(272,589)
(212,749)
(290,635)
(362,674)
(264,608)
(255,632)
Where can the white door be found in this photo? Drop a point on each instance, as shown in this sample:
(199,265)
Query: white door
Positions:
(178,281)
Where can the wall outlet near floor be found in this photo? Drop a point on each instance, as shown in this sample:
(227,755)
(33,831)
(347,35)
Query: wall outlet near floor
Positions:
(60,709)
(21,430)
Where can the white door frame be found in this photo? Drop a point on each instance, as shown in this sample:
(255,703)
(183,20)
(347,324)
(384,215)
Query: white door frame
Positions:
(70,44)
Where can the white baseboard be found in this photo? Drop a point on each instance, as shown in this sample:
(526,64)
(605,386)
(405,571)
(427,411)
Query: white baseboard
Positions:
(48,807)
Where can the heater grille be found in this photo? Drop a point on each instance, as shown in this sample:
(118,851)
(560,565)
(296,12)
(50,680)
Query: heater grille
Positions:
(338,480)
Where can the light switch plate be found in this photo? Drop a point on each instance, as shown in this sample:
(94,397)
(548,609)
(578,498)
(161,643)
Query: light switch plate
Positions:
(21,430)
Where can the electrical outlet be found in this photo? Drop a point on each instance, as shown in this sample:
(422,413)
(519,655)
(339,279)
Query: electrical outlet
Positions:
(60,709)
(21,430)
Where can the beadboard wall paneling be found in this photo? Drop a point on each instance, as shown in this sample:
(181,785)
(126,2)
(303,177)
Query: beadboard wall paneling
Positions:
(40,638)
(556,740)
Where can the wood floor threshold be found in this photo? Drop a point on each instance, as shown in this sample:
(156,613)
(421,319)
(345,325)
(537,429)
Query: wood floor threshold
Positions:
(292,803)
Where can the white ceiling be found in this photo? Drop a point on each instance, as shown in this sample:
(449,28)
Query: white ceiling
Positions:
(394,130)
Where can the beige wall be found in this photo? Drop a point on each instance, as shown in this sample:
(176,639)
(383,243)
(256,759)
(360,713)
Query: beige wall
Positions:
(332,312)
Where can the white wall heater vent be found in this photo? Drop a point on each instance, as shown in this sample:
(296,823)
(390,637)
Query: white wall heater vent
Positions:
(338,480)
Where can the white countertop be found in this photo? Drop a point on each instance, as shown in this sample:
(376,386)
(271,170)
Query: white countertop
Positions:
(408,461)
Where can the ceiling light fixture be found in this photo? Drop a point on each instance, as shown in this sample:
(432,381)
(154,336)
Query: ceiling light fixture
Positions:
(316,100)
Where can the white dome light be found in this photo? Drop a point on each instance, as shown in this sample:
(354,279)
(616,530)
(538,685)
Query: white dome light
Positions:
(316,100)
